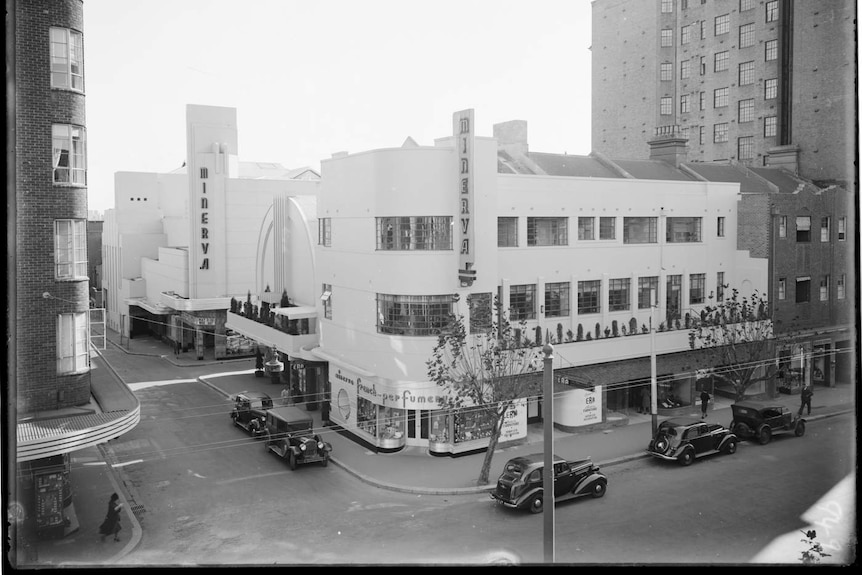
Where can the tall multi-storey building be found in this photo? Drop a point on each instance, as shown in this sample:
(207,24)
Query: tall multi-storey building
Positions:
(54,400)
(755,82)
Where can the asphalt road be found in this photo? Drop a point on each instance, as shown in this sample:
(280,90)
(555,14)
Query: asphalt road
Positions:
(211,495)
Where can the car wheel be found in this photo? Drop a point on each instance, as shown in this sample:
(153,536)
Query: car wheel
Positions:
(599,489)
(730,448)
(764,436)
(661,444)
(686,457)
(800,429)
(536,504)
(292,460)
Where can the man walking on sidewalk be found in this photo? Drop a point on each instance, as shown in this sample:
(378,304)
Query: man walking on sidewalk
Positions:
(704,401)
(807,393)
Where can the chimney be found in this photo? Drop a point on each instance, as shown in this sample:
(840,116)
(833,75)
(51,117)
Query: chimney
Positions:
(511,137)
(669,145)
(786,157)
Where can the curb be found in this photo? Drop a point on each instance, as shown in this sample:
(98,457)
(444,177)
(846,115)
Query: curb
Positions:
(171,361)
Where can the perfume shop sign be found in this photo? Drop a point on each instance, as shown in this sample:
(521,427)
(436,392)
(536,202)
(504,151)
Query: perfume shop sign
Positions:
(402,398)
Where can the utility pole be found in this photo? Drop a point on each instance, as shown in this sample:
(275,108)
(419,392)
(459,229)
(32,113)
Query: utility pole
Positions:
(548,471)
(653,383)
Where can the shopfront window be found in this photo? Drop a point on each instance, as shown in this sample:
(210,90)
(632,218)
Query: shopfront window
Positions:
(473,423)
(391,422)
(366,416)
(439,428)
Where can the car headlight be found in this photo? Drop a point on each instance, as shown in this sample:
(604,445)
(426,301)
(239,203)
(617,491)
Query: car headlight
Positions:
(302,447)
(320,445)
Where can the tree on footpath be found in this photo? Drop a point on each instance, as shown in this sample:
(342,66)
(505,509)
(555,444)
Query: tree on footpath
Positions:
(484,371)
(737,338)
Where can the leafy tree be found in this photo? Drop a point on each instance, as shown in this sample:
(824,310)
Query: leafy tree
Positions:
(484,371)
(736,335)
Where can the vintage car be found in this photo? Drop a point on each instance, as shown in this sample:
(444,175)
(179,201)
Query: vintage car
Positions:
(520,485)
(684,439)
(249,411)
(754,420)
(290,435)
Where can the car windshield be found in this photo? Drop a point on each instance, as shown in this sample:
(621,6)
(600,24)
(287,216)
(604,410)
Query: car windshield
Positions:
(668,429)
(513,468)
(261,403)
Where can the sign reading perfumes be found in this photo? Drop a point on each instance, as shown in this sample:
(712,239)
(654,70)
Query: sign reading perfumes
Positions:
(463,129)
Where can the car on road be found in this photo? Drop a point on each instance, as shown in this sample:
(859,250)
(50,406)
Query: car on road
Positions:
(249,411)
(684,439)
(520,486)
(289,433)
(760,421)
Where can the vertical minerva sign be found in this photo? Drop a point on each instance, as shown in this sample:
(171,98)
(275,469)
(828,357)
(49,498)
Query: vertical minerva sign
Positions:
(205,241)
(463,128)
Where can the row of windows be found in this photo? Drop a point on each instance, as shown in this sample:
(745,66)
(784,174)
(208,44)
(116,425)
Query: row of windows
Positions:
(803,288)
(720,98)
(721,25)
(402,233)
(803,228)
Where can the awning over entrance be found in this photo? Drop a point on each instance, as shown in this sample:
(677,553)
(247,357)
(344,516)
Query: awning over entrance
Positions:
(154,308)
(297,312)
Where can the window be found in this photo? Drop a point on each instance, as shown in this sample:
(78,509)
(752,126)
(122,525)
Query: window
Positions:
(70,249)
(719,286)
(481,312)
(522,302)
(69,154)
(719,226)
(666,106)
(746,110)
(607,228)
(842,229)
(666,38)
(547,231)
(770,126)
(72,342)
(782,226)
(803,228)
(647,286)
(746,35)
(683,230)
(703,29)
(720,97)
(666,69)
(824,288)
(416,315)
(685,35)
(685,69)
(326,298)
(618,294)
(746,73)
(684,106)
(772,11)
(720,61)
(770,89)
(701,134)
(824,229)
(589,296)
(640,230)
(771,50)
(703,101)
(745,5)
(702,65)
(414,233)
(67,59)
(803,289)
(722,24)
(666,6)
(684,4)
(719,133)
(557,299)
(586,229)
(697,288)
(840,287)
(745,148)
(782,288)
(674,297)
(507,232)
(324,232)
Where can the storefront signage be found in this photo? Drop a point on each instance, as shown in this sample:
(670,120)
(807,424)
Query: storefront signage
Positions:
(197,320)
(463,131)
(401,399)
(591,408)
(204,232)
(514,421)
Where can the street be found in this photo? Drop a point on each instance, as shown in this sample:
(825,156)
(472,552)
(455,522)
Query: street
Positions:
(210,494)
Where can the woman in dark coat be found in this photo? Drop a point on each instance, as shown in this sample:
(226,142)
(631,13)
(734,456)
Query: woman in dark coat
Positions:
(111,524)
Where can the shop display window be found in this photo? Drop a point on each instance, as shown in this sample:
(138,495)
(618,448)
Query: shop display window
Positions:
(473,423)
(366,416)
(391,422)
(439,428)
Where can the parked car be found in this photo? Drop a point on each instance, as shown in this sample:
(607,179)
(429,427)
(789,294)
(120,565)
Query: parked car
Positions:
(684,439)
(754,420)
(249,411)
(290,435)
(520,485)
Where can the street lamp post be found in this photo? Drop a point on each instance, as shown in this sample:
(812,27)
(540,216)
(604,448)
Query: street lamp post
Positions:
(548,472)
(653,383)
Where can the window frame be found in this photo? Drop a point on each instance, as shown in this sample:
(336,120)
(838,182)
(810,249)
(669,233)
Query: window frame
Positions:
(745,148)
(414,233)
(666,106)
(782,289)
(326,298)
(722,24)
(770,126)
(720,133)
(719,286)
(67,55)
(684,104)
(562,306)
(747,35)
(666,72)
(696,288)
(684,69)
(666,38)
(803,229)
(683,229)
(413,315)
(70,250)
(507,231)
(721,61)
(603,227)
(745,111)
(771,9)
(770,88)
(75,169)
(720,97)
(324,232)
(841,287)
(646,284)
(589,297)
(782,226)
(557,231)
(524,295)
(824,287)
(649,230)
(803,289)
(586,228)
(73,340)
(825,229)
(746,73)
(619,294)
(842,228)
(770,50)
(719,226)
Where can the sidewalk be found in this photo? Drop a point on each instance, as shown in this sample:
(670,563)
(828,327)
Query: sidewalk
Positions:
(411,470)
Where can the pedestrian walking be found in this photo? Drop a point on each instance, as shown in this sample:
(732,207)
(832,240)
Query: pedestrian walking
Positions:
(645,401)
(285,396)
(807,393)
(704,401)
(111,524)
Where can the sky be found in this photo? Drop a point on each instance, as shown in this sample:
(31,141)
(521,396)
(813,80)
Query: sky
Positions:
(315,77)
